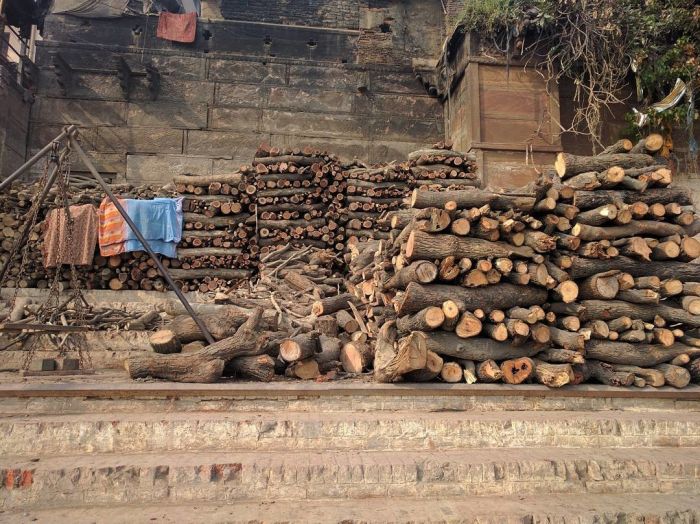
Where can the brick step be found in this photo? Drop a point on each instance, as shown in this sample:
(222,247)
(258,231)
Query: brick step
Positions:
(205,431)
(562,509)
(289,475)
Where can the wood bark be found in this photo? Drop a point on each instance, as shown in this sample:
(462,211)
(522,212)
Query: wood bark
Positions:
(592,199)
(421,271)
(643,355)
(477,349)
(610,309)
(499,296)
(429,247)
(469,198)
(585,267)
(568,165)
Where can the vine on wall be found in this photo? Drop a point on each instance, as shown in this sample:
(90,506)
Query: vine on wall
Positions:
(603,46)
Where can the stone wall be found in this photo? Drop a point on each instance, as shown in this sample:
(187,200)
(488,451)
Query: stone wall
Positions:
(323,13)
(350,91)
(14,122)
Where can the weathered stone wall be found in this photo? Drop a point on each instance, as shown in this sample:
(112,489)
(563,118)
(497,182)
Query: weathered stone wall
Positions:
(351,91)
(326,13)
(14,123)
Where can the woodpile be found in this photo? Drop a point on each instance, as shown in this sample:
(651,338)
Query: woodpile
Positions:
(554,283)
(298,192)
(441,168)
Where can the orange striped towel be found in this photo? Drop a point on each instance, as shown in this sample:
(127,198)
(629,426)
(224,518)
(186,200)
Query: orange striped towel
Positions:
(112,230)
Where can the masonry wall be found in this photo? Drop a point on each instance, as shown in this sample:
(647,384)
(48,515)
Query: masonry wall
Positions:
(255,79)
(14,122)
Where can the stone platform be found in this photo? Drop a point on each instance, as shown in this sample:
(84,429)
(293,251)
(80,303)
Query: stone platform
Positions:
(98,448)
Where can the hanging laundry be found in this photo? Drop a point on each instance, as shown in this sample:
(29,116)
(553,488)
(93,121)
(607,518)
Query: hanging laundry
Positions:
(112,230)
(177,28)
(159,221)
(65,246)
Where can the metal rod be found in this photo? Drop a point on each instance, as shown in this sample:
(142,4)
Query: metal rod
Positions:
(29,163)
(40,200)
(86,160)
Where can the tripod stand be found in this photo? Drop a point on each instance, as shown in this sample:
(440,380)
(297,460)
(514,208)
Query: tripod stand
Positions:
(70,134)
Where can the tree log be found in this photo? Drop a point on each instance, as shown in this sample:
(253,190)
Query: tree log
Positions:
(301,347)
(330,305)
(675,376)
(165,341)
(428,319)
(477,349)
(256,367)
(568,165)
(610,309)
(591,199)
(585,267)
(553,375)
(518,370)
(499,296)
(429,247)
(653,377)
(469,198)
(433,366)
(643,355)
(390,363)
(634,228)
(421,271)
(451,372)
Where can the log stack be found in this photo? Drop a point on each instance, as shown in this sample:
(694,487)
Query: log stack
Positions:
(441,168)
(298,192)
(553,283)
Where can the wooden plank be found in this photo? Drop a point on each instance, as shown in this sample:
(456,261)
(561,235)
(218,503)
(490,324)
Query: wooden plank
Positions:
(49,328)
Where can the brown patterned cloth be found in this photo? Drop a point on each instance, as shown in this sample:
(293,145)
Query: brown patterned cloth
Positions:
(177,28)
(77,249)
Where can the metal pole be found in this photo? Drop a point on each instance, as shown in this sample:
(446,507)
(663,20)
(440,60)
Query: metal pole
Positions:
(27,225)
(29,163)
(146,245)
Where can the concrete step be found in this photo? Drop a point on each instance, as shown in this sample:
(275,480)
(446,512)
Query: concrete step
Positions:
(53,435)
(184,478)
(560,509)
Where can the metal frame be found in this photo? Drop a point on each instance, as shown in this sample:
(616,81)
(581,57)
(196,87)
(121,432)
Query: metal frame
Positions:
(71,133)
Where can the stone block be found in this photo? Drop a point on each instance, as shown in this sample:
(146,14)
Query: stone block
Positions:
(246,72)
(308,99)
(313,124)
(400,128)
(42,134)
(88,86)
(167,114)
(224,144)
(398,82)
(241,95)
(161,168)
(334,78)
(392,151)
(176,90)
(112,163)
(187,67)
(81,112)
(235,118)
(139,140)
(418,107)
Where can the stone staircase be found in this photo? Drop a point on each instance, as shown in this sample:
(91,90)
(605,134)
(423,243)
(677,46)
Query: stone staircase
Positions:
(322,456)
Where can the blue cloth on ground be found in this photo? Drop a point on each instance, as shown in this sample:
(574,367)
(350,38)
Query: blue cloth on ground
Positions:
(160,222)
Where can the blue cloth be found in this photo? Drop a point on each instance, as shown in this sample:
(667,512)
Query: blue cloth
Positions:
(160,222)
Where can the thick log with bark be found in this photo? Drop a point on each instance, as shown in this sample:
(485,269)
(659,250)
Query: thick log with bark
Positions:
(591,199)
(392,361)
(478,349)
(585,267)
(255,367)
(469,198)
(421,271)
(568,165)
(642,355)
(428,319)
(610,309)
(423,246)
(635,228)
(488,298)
(207,364)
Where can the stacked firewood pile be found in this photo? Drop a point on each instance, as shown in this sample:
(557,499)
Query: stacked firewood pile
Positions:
(218,246)
(298,193)
(442,168)
(553,284)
